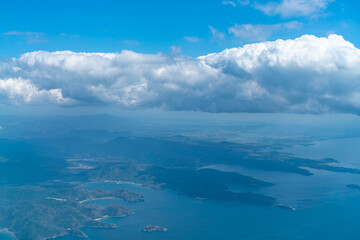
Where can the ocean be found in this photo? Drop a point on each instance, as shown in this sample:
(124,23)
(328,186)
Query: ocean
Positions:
(325,207)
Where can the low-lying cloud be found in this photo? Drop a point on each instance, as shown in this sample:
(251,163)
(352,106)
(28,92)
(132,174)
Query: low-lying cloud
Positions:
(304,75)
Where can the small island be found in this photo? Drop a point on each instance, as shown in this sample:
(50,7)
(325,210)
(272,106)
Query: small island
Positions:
(153,228)
(354,186)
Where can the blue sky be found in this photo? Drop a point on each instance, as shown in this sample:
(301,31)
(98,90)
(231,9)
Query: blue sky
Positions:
(154,26)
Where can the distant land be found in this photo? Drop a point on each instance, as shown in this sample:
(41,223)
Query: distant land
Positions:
(33,212)
(354,186)
(153,228)
(40,186)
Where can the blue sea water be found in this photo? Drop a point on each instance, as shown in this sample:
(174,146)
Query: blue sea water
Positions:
(325,208)
(6,236)
(345,150)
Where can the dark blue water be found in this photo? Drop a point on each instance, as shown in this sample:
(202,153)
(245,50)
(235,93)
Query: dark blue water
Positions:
(326,209)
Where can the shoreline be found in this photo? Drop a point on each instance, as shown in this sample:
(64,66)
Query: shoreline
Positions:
(7,232)
(285,207)
(123,182)
(87,200)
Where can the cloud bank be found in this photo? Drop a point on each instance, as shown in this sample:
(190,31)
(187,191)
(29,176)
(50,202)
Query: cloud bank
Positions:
(303,75)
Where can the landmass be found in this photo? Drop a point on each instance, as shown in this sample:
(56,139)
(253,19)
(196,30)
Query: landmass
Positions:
(153,228)
(209,184)
(34,212)
(354,186)
(42,167)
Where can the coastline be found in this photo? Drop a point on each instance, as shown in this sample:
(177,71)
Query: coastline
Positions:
(285,207)
(6,231)
(123,182)
(90,199)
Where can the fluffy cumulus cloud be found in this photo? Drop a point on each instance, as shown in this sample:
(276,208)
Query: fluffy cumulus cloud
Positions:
(307,75)
(20,91)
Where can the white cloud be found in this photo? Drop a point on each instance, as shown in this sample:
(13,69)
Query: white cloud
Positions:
(20,91)
(131,42)
(175,50)
(216,34)
(260,32)
(192,39)
(31,37)
(294,8)
(18,33)
(254,32)
(307,74)
(292,25)
(244,2)
(229,3)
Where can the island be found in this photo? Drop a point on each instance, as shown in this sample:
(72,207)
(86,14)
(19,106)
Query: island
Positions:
(153,228)
(354,186)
